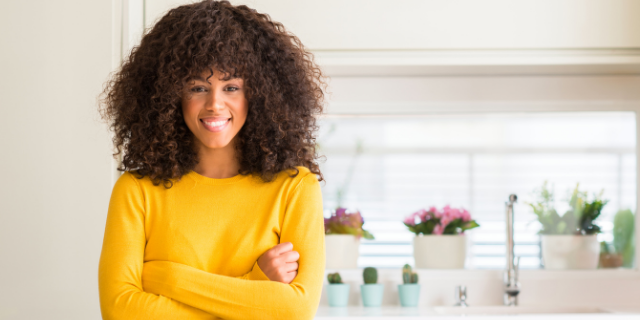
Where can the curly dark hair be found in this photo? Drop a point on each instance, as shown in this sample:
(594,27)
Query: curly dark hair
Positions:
(284,89)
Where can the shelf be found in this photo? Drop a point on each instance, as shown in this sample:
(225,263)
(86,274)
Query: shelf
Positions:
(481,312)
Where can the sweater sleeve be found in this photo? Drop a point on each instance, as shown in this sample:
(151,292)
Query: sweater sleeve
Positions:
(121,263)
(231,298)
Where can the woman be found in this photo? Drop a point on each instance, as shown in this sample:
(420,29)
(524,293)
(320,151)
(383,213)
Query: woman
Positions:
(219,212)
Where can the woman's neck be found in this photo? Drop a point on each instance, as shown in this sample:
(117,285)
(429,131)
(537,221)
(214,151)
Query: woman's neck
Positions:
(219,163)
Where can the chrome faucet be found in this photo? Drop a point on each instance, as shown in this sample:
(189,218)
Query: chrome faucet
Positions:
(461,297)
(511,285)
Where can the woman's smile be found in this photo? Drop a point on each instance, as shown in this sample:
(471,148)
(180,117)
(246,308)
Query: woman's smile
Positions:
(215,124)
(212,104)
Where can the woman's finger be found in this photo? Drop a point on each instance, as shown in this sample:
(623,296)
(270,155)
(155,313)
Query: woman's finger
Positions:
(282,248)
(290,266)
(290,256)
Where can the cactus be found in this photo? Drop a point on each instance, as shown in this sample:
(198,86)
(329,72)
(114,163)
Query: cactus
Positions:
(409,277)
(623,230)
(334,278)
(406,274)
(370,275)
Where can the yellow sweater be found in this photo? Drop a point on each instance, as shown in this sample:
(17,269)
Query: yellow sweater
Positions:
(190,252)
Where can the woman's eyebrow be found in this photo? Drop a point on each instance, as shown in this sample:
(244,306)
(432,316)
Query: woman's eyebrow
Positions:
(200,78)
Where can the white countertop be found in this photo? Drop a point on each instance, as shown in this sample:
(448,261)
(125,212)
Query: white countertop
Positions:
(484,312)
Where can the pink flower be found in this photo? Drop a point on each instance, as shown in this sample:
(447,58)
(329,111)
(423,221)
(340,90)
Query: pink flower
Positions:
(444,221)
(456,214)
(443,218)
(438,229)
(411,219)
(437,214)
(466,217)
(422,214)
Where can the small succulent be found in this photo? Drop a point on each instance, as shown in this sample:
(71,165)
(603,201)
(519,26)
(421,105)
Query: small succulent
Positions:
(409,277)
(623,239)
(334,278)
(370,275)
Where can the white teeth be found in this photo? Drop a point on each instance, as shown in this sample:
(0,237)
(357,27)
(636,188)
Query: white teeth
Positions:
(216,123)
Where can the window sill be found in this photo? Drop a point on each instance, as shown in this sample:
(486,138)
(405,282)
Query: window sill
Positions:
(602,288)
(359,312)
(475,274)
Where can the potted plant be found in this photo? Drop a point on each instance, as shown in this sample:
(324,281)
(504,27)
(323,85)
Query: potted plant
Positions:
(569,241)
(620,253)
(440,242)
(338,292)
(371,291)
(409,291)
(609,258)
(343,231)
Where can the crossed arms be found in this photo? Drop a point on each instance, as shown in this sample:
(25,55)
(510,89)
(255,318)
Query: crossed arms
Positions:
(133,289)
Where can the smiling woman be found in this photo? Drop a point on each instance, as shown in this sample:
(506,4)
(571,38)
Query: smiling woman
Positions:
(218,104)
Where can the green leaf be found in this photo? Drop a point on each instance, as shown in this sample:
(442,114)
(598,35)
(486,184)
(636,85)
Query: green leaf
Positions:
(470,225)
(367,235)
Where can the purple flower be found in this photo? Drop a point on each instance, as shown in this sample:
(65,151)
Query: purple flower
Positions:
(343,222)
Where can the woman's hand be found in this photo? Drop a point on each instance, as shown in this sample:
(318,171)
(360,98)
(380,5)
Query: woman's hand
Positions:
(280,263)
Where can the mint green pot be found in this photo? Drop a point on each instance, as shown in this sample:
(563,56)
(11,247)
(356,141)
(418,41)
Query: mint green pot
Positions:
(409,294)
(338,294)
(371,294)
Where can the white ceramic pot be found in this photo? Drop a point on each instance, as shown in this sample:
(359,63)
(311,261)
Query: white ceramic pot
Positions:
(570,251)
(440,251)
(342,251)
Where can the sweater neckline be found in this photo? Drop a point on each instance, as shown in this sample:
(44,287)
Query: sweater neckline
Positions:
(211,181)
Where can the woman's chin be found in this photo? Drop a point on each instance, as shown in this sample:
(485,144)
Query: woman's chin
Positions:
(215,144)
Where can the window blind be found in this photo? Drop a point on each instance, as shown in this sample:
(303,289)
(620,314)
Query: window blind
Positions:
(389,167)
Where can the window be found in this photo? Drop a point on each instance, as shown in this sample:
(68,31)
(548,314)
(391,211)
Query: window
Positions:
(390,166)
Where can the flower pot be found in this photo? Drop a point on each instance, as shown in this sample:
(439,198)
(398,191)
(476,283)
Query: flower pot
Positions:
(338,294)
(611,260)
(440,251)
(561,252)
(371,294)
(342,251)
(409,294)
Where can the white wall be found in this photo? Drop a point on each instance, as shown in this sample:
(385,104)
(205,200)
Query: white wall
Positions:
(449,24)
(56,163)
(471,94)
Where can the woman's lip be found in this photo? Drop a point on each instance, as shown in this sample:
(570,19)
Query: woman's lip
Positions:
(212,119)
(216,128)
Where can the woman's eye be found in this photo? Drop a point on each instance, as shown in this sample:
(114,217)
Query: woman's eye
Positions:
(198,89)
(232,88)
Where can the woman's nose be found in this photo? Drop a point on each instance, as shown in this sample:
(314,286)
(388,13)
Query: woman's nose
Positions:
(215,103)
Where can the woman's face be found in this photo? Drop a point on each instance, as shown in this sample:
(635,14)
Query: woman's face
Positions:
(216,110)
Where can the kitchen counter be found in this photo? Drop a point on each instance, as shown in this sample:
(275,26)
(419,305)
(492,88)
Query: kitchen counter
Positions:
(485,312)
